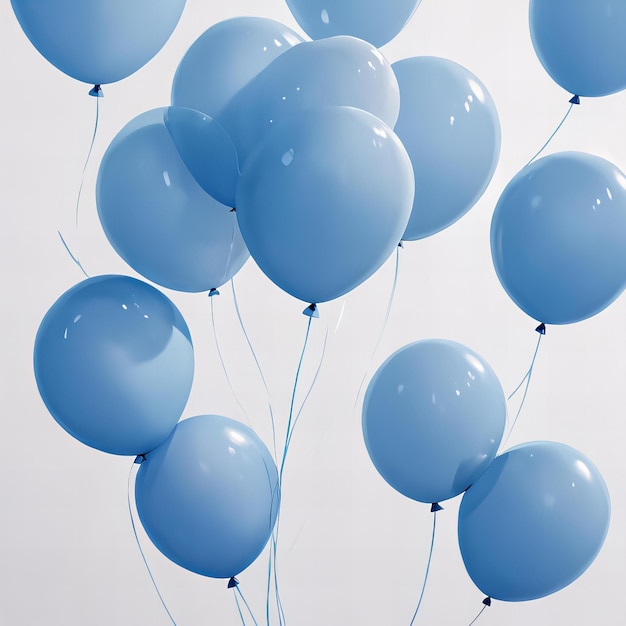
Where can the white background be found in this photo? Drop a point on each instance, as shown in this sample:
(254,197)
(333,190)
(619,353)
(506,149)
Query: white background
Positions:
(352,550)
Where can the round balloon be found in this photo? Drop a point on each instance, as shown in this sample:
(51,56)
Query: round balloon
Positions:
(154,212)
(209,495)
(558,236)
(324,201)
(100,41)
(376,21)
(433,417)
(449,125)
(581,44)
(339,71)
(114,364)
(533,522)
(225,58)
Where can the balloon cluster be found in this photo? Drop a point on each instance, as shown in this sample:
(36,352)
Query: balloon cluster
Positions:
(317,158)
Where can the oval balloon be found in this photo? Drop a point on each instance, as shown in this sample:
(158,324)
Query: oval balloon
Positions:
(225,58)
(208,496)
(100,41)
(558,235)
(581,44)
(324,201)
(376,21)
(533,522)
(433,418)
(449,125)
(113,362)
(154,213)
(339,71)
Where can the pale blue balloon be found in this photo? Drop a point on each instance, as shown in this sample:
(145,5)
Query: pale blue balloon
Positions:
(449,125)
(376,21)
(433,418)
(581,43)
(98,41)
(324,201)
(339,71)
(533,522)
(225,58)
(114,364)
(558,236)
(153,211)
(208,496)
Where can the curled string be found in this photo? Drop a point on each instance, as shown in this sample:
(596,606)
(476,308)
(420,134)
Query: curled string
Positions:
(526,380)
(430,557)
(556,130)
(479,614)
(258,367)
(143,556)
(219,353)
(384,326)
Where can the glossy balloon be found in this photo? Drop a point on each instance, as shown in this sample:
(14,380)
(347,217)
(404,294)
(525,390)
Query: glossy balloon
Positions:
(341,71)
(433,417)
(324,201)
(449,125)
(533,522)
(376,21)
(558,235)
(225,58)
(208,496)
(100,41)
(154,213)
(114,364)
(581,44)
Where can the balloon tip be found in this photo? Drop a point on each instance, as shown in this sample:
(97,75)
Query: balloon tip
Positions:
(213,292)
(96,92)
(541,329)
(487,601)
(311,311)
(140,458)
(401,244)
(574,100)
(233,582)
(435,507)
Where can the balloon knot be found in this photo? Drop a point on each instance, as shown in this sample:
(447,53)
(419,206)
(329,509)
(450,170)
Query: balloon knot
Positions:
(311,311)
(140,459)
(213,292)
(541,329)
(233,582)
(233,210)
(436,507)
(487,601)
(401,244)
(574,100)
(96,92)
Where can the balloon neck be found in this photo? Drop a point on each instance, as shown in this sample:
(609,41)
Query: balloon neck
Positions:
(311,311)
(96,92)
(233,582)
(233,210)
(541,329)
(140,459)
(435,507)
(574,100)
(487,601)
(401,244)
(213,292)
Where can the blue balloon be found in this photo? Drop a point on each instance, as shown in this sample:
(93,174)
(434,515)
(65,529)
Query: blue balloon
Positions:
(339,71)
(376,21)
(99,41)
(449,125)
(114,364)
(208,496)
(581,44)
(433,418)
(324,201)
(533,522)
(154,213)
(558,236)
(225,58)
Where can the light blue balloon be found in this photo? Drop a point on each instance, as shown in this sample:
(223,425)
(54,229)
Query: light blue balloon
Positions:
(533,522)
(339,71)
(376,21)
(114,364)
(449,125)
(98,41)
(581,44)
(558,236)
(433,418)
(208,496)
(324,201)
(153,211)
(225,58)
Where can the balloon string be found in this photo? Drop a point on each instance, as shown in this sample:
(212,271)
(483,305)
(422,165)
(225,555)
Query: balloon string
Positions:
(74,258)
(479,614)
(384,326)
(556,130)
(143,556)
(526,379)
(430,557)
(243,599)
(258,367)
(243,621)
(230,251)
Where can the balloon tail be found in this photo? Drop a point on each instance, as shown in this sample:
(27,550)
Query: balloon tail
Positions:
(74,258)
(214,292)
(385,321)
(430,557)
(486,603)
(572,102)
(258,367)
(96,92)
(134,527)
